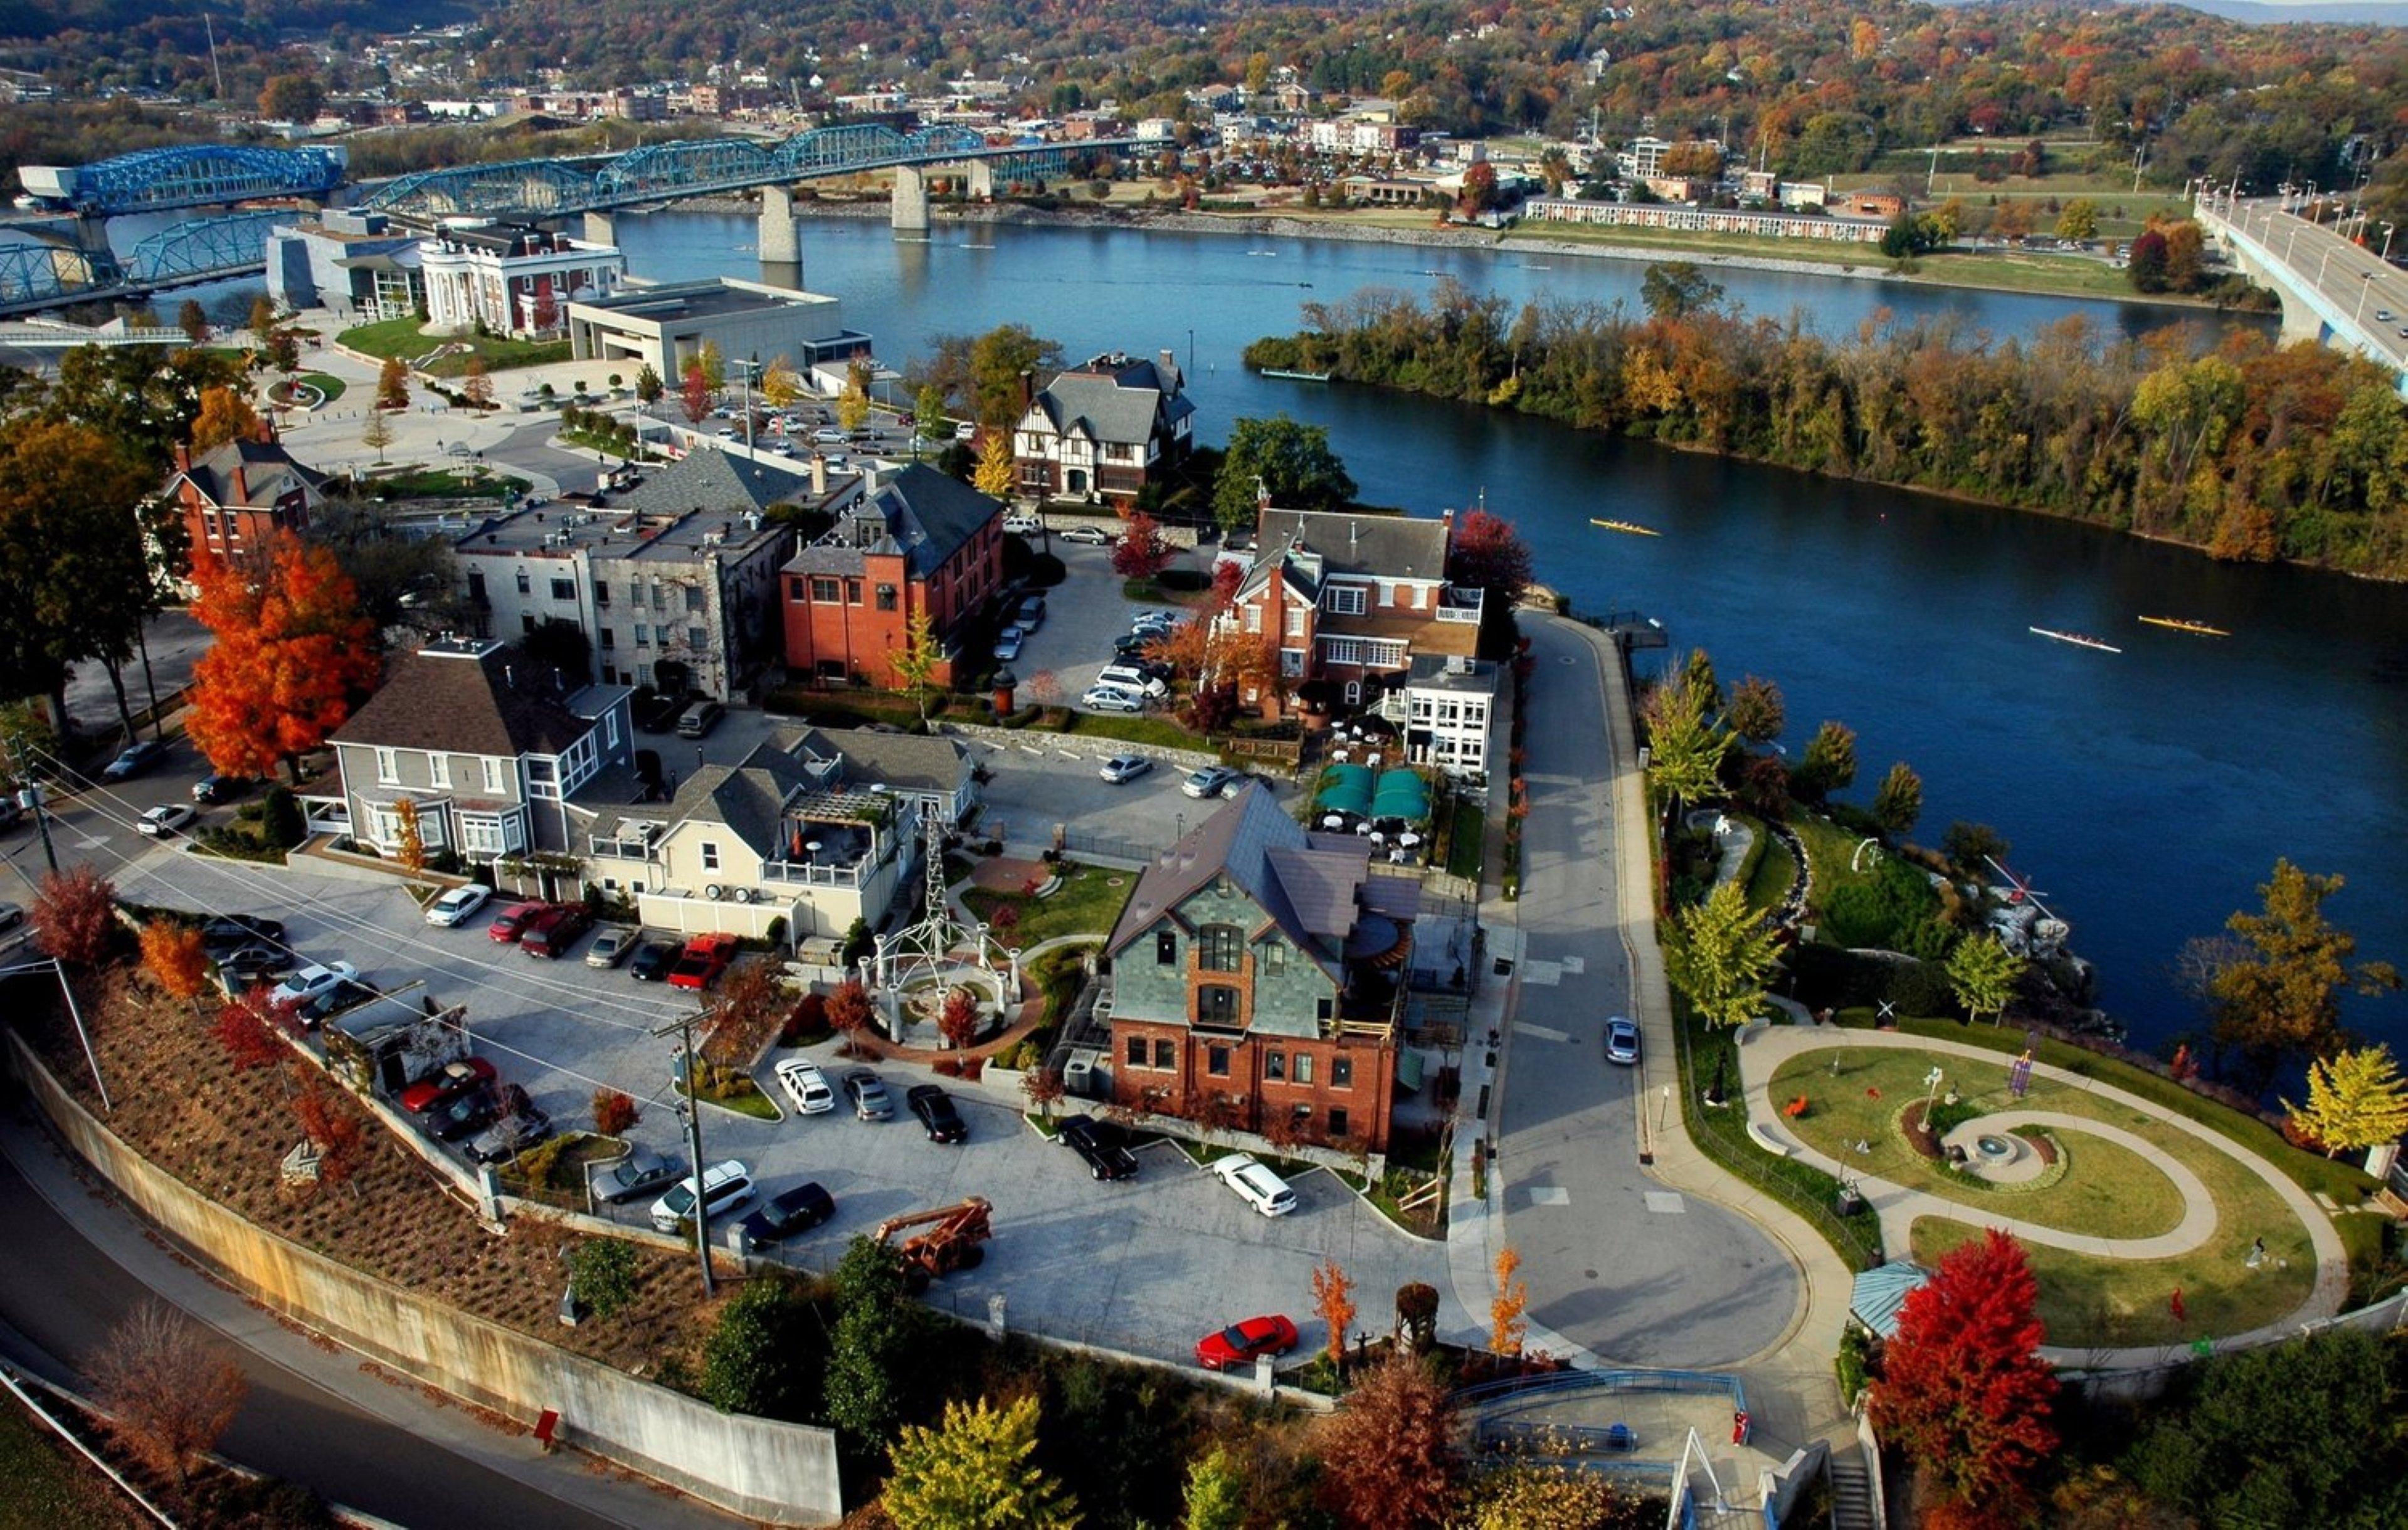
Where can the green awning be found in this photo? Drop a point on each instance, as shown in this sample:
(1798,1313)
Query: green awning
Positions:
(1345,800)
(1408,1069)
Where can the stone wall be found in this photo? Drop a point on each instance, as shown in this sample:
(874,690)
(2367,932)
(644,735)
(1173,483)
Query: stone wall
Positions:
(779,1473)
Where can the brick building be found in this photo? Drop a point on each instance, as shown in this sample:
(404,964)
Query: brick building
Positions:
(918,542)
(236,496)
(1259,971)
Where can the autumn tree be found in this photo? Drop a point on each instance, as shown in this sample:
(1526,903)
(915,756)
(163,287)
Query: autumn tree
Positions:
(694,393)
(1002,366)
(1416,1326)
(976,1468)
(1755,710)
(1719,954)
(1044,1089)
(250,1026)
(852,405)
(1333,1297)
(1685,746)
(1216,1497)
(745,1011)
(1898,801)
(2078,220)
(957,1021)
(334,1127)
(225,416)
(781,386)
(1674,290)
(292,98)
(915,664)
(1536,1498)
(1142,553)
(1982,973)
(1830,761)
(75,915)
(2356,1100)
(293,656)
(376,434)
(1388,1453)
(392,385)
(1508,1319)
(166,1392)
(409,850)
(2284,997)
(176,959)
(1487,554)
(193,320)
(1964,1391)
(603,1273)
(928,413)
(648,384)
(615,1112)
(477,384)
(996,469)
(850,1013)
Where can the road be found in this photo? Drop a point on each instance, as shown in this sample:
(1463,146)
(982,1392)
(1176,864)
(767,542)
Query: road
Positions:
(1634,1273)
(312,1416)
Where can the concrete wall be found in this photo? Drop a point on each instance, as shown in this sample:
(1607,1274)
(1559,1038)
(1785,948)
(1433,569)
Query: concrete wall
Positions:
(782,1472)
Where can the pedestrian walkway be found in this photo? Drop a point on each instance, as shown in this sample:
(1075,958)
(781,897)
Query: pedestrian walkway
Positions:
(1764,1048)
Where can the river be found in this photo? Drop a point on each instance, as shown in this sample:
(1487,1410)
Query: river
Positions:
(2147,794)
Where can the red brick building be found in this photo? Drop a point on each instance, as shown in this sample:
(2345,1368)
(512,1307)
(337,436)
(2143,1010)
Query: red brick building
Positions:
(918,542)
(1259,972)
(235,497)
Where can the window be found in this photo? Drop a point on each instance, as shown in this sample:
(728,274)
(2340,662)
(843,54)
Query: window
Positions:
(1253,619)
(1291,662)
(693,598)
(1166,1055)
(1341,1073)
(1219,946)
(439,768)
(643,635)
(1166,948)
(1216,1060)
(1295,622)
(601,593)
(799,589)
(1275,1065)
(886,597)
(1273,957)
(493,773)
(526,621)
(1344,599)
(1304,1067)
(563,589)
(696,637)
(1338,1120)
(709,856)
(610,637)
(1324,1009)
(1137,1051)
(824,591)
(388,768)
(853,592)
(1216,1006)
(524,586)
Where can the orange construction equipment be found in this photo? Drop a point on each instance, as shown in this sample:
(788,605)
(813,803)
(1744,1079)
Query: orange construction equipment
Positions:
(951,1242)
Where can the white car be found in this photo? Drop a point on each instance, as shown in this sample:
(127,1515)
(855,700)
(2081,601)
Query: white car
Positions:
(806,1085)
(312,980)
(1207,782)
(1257,1186)
(1021,523)
(457,905)
(1008,641)
(159,821)
(1125,767)
(1111,698)
(965,430)
(1091,536)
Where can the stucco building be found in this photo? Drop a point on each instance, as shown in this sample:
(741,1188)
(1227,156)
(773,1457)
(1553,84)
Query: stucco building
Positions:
(1103,431)
(666,327)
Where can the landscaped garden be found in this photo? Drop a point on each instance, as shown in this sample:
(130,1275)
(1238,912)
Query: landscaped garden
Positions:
(407,338)
(1088,902)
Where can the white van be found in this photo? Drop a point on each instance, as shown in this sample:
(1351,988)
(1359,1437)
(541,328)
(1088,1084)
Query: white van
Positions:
(725,1187)
(1257,1186)
(1126,678)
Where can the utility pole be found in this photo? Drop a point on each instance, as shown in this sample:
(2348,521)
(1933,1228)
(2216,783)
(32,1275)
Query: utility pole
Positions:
(692,1105)
(30,799)
(210,27)
(75,1013)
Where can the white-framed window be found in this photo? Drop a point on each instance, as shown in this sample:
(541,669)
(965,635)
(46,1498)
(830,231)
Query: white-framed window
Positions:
(709,856)
(1253,619)
(1296,619)
(388,768)
(439,768)
(1291,661)
(492,772)
(1343,599)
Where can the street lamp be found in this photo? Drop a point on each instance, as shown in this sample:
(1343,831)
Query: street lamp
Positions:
(2386,257)
(2366,284)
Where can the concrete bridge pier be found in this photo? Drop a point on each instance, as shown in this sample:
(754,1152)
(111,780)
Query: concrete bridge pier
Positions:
(2300,322)
(91,233)
(910,204)
(602,228)
(782,239)
(981,178)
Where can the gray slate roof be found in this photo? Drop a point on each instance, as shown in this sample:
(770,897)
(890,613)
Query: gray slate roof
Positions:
(1351,542)
(1305,883)
(920,512)
(910,762)
(1119,405)
(267,474)
(713,480)
(498,705)
(748,798)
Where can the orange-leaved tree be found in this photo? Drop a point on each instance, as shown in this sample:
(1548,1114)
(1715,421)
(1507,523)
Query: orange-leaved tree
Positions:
(1387,1455)
(1506,1323)
(225,416)
(176,959)
(1333,1297)
(292,656)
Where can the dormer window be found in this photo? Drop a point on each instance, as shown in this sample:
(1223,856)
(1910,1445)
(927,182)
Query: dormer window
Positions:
(1343,599)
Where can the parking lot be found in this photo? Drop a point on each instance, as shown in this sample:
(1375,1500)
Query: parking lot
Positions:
(1146,1266)
(1083,614)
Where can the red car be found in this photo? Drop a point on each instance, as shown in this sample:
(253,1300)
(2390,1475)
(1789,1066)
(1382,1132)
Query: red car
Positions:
(512,923)
(554,930)
(705,957)
(1240,1342)
(446,1084)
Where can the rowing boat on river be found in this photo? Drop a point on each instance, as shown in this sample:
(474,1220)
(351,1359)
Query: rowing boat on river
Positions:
(2179,623)
(1633,527)
(2077,639)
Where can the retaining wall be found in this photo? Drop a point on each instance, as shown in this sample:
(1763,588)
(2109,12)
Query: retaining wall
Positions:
(781,1473)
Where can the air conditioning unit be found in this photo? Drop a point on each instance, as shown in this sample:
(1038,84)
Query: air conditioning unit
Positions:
(1459,663)
(1085,1075)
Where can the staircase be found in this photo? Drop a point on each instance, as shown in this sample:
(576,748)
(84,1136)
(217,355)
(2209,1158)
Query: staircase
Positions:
(1851,1493)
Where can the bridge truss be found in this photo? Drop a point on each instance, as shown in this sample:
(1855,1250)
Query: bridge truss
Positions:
(203,175)
(36,276)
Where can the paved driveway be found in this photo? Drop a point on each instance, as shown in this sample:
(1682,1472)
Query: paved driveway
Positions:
(1083,614)
(1051,781)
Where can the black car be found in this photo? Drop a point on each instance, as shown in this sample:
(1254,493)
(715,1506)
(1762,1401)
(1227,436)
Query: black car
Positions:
(462,1118)
(334,1001)
(658,713)
(934,1109)
(218,787)
(1102,1145)
(653,960)
(1131,645)
(221,938)
(254,964)
(797,1210)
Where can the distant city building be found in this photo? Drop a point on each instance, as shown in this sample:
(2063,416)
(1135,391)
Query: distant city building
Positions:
(667,326)
(1766,225)
(360,265)
(513,279)
(1646,157)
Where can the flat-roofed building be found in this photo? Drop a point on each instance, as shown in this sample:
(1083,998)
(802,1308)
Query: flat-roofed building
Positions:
(667,326)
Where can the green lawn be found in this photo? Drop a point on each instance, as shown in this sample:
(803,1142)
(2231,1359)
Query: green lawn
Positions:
(443,483)
(1828,849)
(49,1485)
(1774,871)
(1466,840)
(1087,902)
(2108,1190)
(1160,732)
(403,338)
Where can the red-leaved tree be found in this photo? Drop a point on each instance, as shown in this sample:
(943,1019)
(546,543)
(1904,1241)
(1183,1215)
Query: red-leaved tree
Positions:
(1964,1391)
(959,1021)
(1142,552)
(1487,553)
(250,1025)
(849,1014)
(693,392)
(332,1126)
(1387,1455)
(75,915)
(293,656)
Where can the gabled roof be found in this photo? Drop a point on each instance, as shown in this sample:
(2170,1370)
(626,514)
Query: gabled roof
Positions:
(1396,547)
(468,698)
(750,798)
(715,481)
(920,513)
(910,762)
(1114,400)
(1307,885)
(268,475)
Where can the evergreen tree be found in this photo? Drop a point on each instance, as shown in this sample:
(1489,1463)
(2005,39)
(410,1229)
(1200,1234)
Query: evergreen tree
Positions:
(1899,800)
(1719,953)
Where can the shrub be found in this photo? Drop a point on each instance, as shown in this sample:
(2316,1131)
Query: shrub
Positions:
(615,1112)
(805,1023)
(282,820)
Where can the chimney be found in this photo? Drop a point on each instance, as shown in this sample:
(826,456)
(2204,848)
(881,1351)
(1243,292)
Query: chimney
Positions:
(1027,391)
(241,483)
(819,476)
(183,456)
(1169,367)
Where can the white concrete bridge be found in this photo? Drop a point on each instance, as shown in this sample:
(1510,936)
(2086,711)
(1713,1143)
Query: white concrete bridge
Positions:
(2334,291)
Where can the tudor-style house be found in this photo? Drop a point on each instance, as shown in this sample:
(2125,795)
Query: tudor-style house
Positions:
(487,745)
(1262,968)
(1102,432)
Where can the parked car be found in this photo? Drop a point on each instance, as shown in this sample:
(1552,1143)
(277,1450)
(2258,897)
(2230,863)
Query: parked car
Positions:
(653,960)
(610,947)
(806,1085)
(218,787)
(1240,1343)
(657,713)
(725,1186)
(251,965)
(965,430)
(792,1211)
(11,915)
(828,436)
(1021,523)
(934,1109)
(158,822)
(511,1133)
(1257,1186)
(136,759)
(641,1172)
(556,931)
(1129,677)
(1130,646)
(1125,767)
(312,980)
(1621,1042)
(1008,641)
(867,1092)
(1101,1145)
(697,721)
(1030,612)
(705,957)
(1206,782)
(2383,316)
(464,1116)
(455,906)
(222,936)
(348,994)
(1111,698)
(1089,536)
(446,1083)
(1159,619)
(511,923)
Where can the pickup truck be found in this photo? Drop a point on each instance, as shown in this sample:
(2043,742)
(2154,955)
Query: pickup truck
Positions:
(1102,1145)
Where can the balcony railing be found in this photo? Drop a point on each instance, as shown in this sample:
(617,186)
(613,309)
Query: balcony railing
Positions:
(619,850)
(1456,604)
(811,875)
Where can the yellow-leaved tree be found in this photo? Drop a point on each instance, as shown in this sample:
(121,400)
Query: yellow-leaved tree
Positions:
(974,1469)
(993,477)
(2356,1099)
